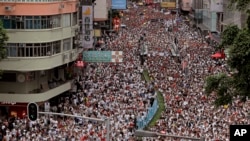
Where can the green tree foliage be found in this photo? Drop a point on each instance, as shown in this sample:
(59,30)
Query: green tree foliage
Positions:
(239,4)
(3,39)
(221,84)
(238,42)
(229,35)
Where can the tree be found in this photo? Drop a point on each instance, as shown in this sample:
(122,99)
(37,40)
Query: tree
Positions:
(227,87)
(221,84)
(239,4)
(3,39)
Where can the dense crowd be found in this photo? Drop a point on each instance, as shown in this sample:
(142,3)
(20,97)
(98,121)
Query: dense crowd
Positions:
(117,92)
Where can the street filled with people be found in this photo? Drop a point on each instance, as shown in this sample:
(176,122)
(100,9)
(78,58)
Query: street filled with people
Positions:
(178,60)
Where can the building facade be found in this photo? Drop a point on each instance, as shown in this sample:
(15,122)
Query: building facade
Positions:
(232,16)
(43,44)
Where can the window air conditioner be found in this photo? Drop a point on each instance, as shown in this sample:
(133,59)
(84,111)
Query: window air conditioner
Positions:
(61,6)
(65,56)
(78,5)
(71,55)
(8,8)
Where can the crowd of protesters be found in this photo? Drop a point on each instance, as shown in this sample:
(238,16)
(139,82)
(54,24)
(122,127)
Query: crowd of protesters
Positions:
(117,92)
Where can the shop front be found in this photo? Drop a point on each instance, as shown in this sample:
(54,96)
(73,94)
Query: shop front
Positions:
(13,109)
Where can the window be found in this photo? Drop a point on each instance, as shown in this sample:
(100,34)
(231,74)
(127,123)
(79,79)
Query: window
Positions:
(21,51)
(12,50)
(34,50)
(66,20)
(74,20)
(55,21)
(45,22)
(66,44)
(37,22)
(56,47)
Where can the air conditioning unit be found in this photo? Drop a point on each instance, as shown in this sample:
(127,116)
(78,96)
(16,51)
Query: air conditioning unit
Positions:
(8,8)
(71,55)
(61,6)
(64,57)
(78,5)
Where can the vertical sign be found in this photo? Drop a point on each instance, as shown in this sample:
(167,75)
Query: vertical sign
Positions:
(87,26)
(116,23)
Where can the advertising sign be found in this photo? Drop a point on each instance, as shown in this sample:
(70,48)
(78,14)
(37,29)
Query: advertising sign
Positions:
(100,8)
(216,5)
(87,26)
(119,4)
(102,56)
(168,5)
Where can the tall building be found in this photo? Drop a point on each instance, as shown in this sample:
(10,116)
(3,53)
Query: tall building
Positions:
(212,13)
(43,44)
(233,16)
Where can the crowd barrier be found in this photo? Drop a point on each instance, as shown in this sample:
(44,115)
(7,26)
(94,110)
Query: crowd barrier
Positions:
(143,121)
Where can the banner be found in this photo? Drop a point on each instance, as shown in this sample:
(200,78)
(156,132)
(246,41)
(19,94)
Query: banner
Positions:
(116,23)
(119,4)
(168,4)
(87,26)
(102,56)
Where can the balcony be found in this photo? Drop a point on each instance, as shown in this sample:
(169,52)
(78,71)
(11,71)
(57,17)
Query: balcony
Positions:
(38,63)
(35,96)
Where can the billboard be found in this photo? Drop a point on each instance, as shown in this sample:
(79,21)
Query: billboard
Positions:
(102,56)
(119,4)
(216,5)
(87,26)
(101,10)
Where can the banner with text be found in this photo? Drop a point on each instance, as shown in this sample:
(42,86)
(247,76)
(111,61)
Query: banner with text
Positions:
(119,4)
(102,56)
(87,26)
(168,5)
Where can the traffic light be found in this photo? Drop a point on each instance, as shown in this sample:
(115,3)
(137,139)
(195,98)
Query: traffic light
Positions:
(32,110)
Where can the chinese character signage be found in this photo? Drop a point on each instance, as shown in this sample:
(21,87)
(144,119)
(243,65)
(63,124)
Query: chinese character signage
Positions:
(87,26)
(119,4)
(102,56)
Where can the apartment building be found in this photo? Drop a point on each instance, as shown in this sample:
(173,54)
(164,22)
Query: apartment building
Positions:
(43,45)
(232,17)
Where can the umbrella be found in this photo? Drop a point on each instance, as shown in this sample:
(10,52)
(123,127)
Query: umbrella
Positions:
(217,55)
